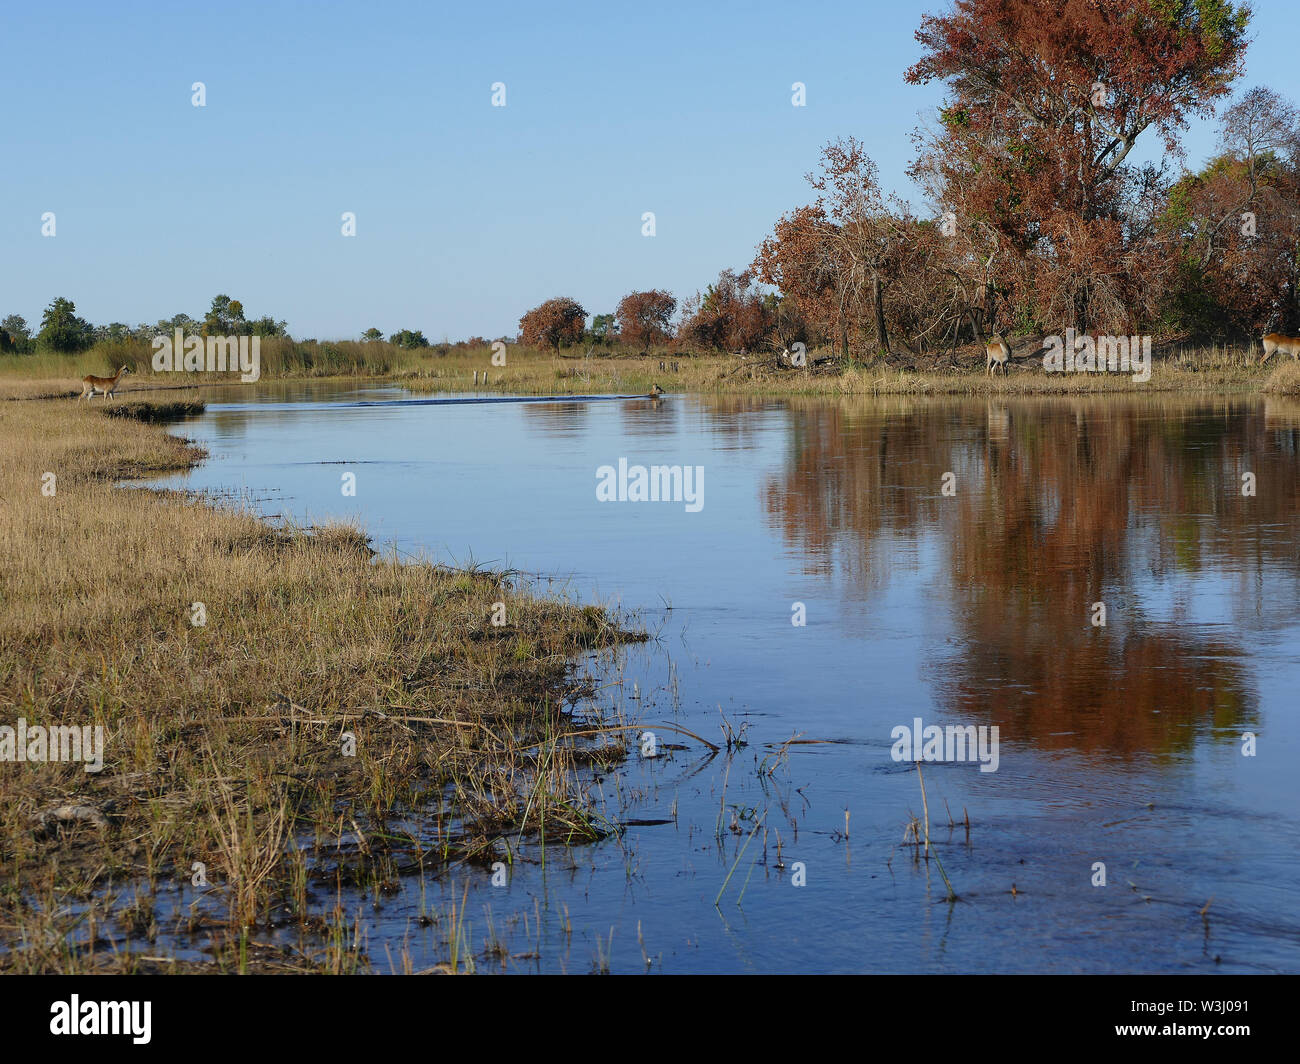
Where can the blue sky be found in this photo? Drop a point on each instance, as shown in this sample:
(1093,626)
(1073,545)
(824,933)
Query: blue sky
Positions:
(467,214)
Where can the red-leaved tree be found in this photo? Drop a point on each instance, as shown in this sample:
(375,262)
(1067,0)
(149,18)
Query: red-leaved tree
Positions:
(556,322)
(1045,104)
(1238,223)
(731,315)
(645,318)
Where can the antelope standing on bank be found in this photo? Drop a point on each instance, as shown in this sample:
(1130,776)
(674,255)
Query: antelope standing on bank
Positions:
(996,354)
(1278,342)
(91,384)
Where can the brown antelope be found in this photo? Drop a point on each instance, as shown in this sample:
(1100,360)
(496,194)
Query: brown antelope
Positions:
(656,392)
(1288,345)
(996,354)
(91,384)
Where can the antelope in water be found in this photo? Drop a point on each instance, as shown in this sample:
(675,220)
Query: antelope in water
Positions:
(656,392)
(91,384)
(996,354)
(1288,345)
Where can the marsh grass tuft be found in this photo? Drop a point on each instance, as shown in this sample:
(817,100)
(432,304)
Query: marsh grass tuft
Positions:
(1284,380)
(924,841)
(156,411)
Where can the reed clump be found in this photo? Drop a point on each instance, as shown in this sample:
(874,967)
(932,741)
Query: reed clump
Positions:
(156,411)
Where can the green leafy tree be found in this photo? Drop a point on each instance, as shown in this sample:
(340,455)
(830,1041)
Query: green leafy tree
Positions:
(114,333)
(177,321)
(20,336)
(268,326)
(224,318)
(372,336)
(408,338)
(62,330)
(604,328)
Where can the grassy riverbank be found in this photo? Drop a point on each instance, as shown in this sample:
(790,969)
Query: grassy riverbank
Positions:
(228,745)
(1227,370)
(534,373)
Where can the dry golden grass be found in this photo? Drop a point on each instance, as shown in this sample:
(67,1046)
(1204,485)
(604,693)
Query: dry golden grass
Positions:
(280,358)
(224,742)
(575,371)
(529,372)
(59,385)
(1284,380)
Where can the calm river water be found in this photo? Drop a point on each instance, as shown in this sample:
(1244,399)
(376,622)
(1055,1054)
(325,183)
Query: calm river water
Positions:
(1126,745)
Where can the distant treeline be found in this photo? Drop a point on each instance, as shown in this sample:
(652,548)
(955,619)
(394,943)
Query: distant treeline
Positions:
(63,332)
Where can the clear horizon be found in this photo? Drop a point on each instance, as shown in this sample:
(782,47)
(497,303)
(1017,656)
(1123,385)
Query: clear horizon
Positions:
(467,214)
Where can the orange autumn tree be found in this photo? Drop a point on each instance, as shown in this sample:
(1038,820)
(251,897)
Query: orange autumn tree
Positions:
(799,260)
(1045,104)
(732,314)
(1238,221)
(645,318)
(557,321)
(836,256)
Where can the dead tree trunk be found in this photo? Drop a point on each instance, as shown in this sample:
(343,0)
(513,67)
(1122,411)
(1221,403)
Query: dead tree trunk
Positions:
(878,305)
